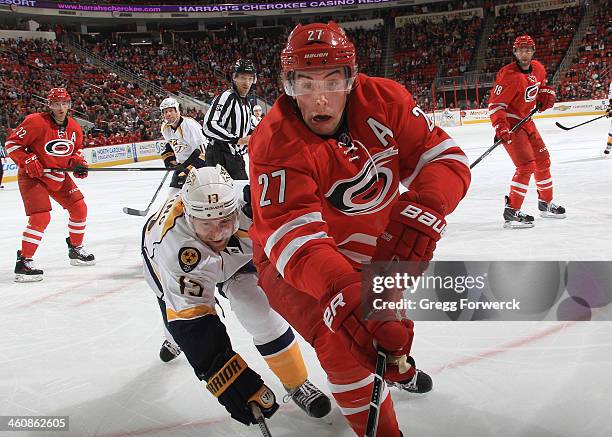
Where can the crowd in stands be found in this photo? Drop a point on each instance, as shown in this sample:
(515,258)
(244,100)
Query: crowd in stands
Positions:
(199,64)
(551,30)
(592,67)
(425,50)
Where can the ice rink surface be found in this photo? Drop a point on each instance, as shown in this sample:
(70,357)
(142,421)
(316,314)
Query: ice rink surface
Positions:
(84,342)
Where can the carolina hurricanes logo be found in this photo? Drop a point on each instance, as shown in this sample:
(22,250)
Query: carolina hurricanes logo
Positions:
(59,147)
(369,190)
(532,92)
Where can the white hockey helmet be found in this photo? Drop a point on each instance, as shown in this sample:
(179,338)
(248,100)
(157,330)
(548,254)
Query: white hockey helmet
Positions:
(169,102)
(257,108)
(208,193)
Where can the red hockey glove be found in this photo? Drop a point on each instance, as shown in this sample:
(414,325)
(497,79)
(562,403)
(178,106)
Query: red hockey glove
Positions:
(503,133)
(33,167)
(411,234)
(80,166)
(342,315)
(546,98)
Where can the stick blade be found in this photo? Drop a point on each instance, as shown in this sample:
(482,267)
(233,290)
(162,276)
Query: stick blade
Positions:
(131,211)
(559,125)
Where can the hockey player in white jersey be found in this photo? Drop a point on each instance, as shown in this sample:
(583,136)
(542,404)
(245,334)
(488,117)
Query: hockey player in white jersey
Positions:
(609,115)
(199,239)
(185,142)
(256,116)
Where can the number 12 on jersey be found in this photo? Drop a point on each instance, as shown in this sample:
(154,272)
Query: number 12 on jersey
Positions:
(264,180)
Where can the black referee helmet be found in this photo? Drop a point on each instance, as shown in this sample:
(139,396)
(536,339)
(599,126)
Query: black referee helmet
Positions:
(245,66)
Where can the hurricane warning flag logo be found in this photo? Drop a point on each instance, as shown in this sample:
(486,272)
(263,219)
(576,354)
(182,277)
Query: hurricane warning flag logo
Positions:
(369,190)
(61,147)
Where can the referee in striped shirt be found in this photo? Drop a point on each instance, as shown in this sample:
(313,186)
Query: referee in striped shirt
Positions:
(227,123)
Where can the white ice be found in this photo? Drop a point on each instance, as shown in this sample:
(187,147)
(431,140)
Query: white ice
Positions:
(84,342)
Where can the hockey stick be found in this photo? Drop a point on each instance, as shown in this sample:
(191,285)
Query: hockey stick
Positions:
(261,420)
(498,142)
(47,170)
(132,211)
(578,125)
(377,389)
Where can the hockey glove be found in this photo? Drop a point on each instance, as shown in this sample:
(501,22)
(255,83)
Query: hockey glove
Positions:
(546,98)
(411,234)
(342,315)
(79,165)
(609,110)
(503,133)
(235,386)
(33,167)
(247,208)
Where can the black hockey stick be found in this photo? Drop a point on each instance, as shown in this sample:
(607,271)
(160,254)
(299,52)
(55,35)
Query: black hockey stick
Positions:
(498,142)
(377,390)
(70,170)
(578,125)
(261,420)
(132,211)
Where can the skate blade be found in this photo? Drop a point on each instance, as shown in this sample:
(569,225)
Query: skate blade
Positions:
(518,225)
(545,214)
(28,278)
(77,262)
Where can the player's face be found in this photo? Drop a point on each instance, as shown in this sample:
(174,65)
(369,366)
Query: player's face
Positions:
(243,82)
(524,55)
(321,96)
(170,115)
(257,112)
(59,109)
(215,232)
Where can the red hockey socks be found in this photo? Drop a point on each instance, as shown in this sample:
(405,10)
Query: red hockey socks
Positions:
(76,222)
(32,236)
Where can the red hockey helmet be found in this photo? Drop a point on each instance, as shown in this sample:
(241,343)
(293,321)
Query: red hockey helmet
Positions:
(58,95)
(315,46)
(523,41)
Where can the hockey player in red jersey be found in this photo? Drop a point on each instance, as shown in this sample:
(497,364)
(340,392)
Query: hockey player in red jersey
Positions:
(43,140)
(325,164)
(519,87)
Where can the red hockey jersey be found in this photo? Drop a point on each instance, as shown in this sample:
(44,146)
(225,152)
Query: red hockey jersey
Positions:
(53,144)
(514,94)
(319,204)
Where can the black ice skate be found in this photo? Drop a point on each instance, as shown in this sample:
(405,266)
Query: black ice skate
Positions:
(25,270)
(79,256)
(310,399)
(608,149)
(515,218)
(169,351)
(551,210)
(420,383)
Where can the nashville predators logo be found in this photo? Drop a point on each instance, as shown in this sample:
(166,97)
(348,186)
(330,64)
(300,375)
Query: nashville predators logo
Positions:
(178,145)
(368,191)
(189,257)
(61,147)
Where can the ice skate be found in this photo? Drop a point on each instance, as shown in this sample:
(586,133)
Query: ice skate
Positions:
(421,382)
(169,351)
(551,210)
(79,256)
(310,399)
(25,271)
(515,218)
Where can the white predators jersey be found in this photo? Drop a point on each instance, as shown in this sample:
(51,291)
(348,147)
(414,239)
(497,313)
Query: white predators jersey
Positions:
(186,138)
(181,269)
